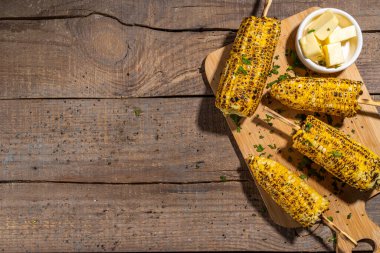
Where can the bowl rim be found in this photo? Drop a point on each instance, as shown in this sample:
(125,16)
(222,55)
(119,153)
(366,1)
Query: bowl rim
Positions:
(314,66)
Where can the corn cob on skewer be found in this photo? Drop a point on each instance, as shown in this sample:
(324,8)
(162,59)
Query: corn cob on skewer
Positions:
(244,75)
(341,156)
(297,198)
(327,95)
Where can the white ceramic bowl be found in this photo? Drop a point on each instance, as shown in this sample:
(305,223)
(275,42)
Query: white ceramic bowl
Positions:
(351,51)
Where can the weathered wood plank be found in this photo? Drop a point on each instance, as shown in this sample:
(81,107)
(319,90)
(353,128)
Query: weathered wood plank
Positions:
(98,57)
(179,14)
(173,140)
(215,216)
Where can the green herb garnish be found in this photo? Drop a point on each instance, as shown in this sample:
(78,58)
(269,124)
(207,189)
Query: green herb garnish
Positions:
(349,216)
(261,137)
(308,126)
(330,218)
(274,70)
(245,60)
(272,146)
(137,111)
(262,154)
(223,178)
(242,70)
(289,68)
(259,148)
(236,119)
(336,153)
(332,239)
(303,176)
(311,31)
(279,79)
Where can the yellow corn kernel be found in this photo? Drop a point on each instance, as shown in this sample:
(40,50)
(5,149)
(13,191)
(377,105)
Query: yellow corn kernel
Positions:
(298,199)
(244,75)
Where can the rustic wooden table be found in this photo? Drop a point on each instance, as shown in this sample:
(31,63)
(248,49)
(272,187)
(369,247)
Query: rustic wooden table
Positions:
(109,137)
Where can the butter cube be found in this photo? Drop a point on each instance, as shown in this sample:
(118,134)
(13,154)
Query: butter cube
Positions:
(333,54)
(342,34)
(324,25)
(311,48)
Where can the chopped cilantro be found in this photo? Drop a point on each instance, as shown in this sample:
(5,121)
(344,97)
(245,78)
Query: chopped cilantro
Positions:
(308,126)
(137,111)
(272,146)
(274,70)
(262,154)
(245,60)
(289,68)
(268,117)
(269,156)
(242,70)
(259,148)
(336,153)
(223,178)
(349,216)
(330,218)
(279,79)
(236,119)
(332,239)
(261,137)
(303,176)
(311,31)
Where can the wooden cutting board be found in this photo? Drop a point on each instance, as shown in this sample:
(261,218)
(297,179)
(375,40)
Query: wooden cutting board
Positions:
(347,205)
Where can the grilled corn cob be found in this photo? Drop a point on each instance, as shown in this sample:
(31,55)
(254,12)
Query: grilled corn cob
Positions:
(338,154)
(244,75)
(297,198)
(327,95)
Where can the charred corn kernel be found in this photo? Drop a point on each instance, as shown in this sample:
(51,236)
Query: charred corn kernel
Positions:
(327,95)
(288,190)
(244,75)
(341,156)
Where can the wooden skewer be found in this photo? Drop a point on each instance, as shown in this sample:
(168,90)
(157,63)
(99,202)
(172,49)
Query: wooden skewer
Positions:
(368,102)
(329,223)
(281,118)
(266,8)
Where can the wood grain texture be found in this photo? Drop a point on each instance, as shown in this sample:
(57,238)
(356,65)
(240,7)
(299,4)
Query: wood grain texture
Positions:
(160,217)
(197,14)
(97,56)
(342,200)
(104,141)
